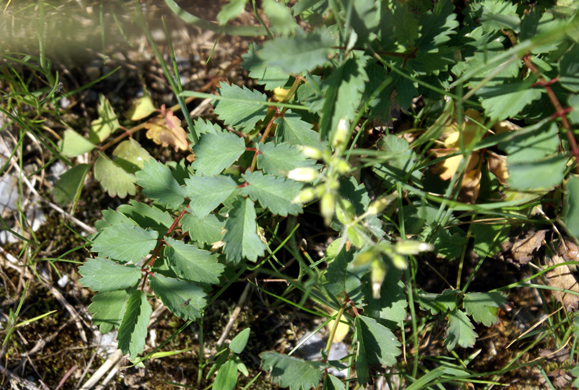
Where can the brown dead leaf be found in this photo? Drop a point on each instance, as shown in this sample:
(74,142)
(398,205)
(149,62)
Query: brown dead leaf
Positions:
(560,378)
(498,166)
(167,131)
(562,278)
(521,249)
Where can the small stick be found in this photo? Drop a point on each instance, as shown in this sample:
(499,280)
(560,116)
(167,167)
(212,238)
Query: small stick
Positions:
(234,316)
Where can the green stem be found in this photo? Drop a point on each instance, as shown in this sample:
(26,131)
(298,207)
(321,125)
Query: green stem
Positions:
(335,326)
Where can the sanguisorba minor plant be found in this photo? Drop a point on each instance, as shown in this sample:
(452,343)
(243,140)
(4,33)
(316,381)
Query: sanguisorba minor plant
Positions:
(358,62)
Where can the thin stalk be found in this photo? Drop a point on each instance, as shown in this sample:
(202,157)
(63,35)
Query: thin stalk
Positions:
(410,289)
(335,327)
(200,371)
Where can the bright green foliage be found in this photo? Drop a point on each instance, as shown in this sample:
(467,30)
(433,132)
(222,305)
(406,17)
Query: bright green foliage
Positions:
(274,193)
(124,243)
(205,127)
(191,263)
(483,307)
(538,175)
(438,26)
(183,298)
(280,17)
(133,329)
(340,279)
(130,155)
(226,378)
(290,372)
(450,243)
(105,275)
(159,184)
(571,210)
(459,331)
(239,109)
(376,345)
(297,54)
(406,29)
(101,128)
(207,192)
(438,303)
(111,217)
(215,152)
(532,146)
(507,100)
(108,309)
(69,185)
(292,129)
(390,308)
(115,180)
(206,230)
(74,144)
(271,77)
(333,383)
(488,238)
(343,95)
(281,158)
(241,239)
(147,216)
(239,342)
(569,69)
(230,11)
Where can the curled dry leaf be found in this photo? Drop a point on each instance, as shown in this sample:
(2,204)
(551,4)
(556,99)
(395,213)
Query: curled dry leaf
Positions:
(520,250)
(498,166)
(167,131)
(562,278)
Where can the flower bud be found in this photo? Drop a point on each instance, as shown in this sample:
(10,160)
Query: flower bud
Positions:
(399,262)
(343,167)
(302,174)
(377,276)
(306,195)
(327,207)
(364,258)
(410,247)
(311,152)
(380,204)
(340,134)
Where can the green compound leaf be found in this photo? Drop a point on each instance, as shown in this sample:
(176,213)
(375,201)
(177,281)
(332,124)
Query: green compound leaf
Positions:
(376,345)
(147,216)
(438,303)
(230,11)
(449,243)
(204,231)
(108,309)
(532,146)
(208,192)
(292,129)
(271,77)
(507,100)
(215,152)
(571,206)
(124,242)
(488,238)
(406,29)
(459,331)
(106,275)
(226,378)
(184,299)
(101,128)
(390,309)
(437,26)
(159,184)
(131,156)
(205,127)
(280,17)
(274,193)
(297,54)
(238,344)
(115,180)
(540,175)
(345,88)
(281,158)
(69,185)
(240,109)
(291,372)
(191,263)
(74,144)
(111,217)
(484,307)
(569,69)
(340,279)
(241,239)
(133,330)
(333,383)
